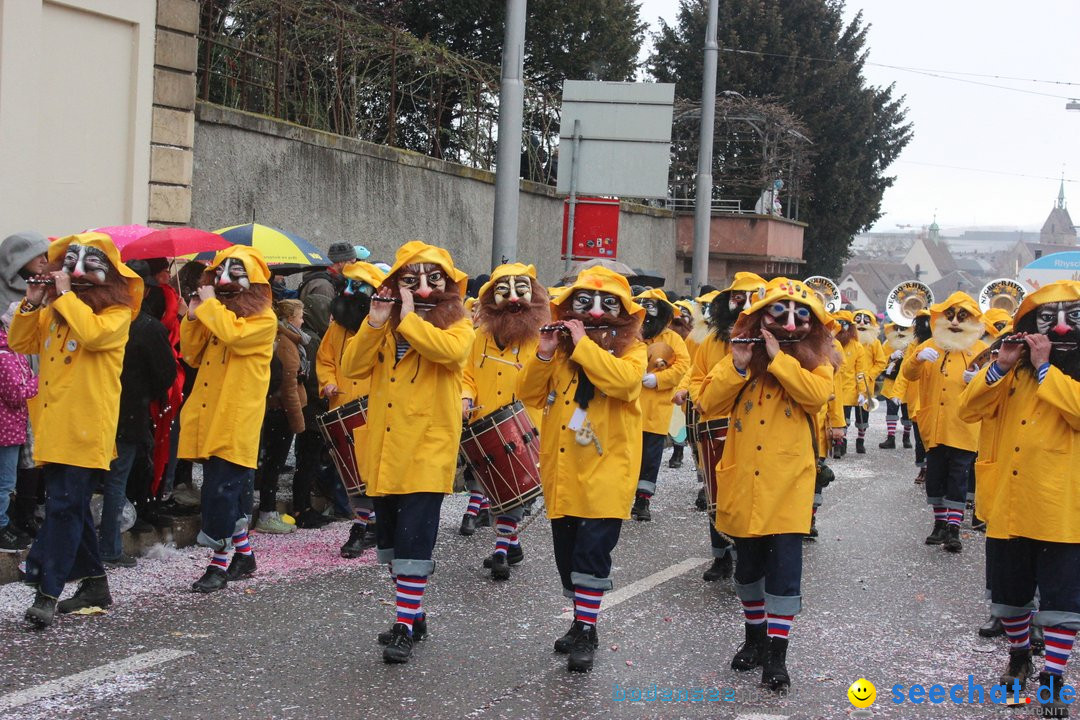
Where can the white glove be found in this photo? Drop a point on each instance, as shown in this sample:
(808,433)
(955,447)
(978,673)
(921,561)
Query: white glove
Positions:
(969,374)
(928,355)
(649,380)
(897,355)
(861,400)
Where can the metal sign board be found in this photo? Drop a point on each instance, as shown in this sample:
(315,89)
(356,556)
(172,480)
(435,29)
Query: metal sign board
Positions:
(624,138)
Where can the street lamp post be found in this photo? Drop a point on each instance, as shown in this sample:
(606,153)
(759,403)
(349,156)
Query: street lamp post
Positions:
(703,200)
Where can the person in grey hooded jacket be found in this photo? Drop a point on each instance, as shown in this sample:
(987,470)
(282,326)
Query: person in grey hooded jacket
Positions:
(22,255)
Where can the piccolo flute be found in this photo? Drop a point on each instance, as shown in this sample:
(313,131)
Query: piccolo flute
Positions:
(1019,340)
(381,299)
(559,327)
(755,340)
(41,281)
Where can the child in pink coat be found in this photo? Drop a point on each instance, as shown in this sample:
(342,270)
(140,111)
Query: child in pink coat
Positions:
(17,385)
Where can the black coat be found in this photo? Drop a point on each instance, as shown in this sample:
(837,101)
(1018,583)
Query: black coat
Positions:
(149,372)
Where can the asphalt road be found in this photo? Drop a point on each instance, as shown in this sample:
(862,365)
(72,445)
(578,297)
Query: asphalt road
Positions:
(298,641)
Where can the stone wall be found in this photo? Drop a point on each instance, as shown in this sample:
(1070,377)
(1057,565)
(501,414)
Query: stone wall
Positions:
(327,188)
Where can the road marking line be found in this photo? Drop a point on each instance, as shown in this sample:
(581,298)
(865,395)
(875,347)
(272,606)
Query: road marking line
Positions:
(645,584)
(760,716)
(86,678)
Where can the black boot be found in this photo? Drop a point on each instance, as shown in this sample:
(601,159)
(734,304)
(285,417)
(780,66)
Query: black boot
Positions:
(774,674)
(419,630)
(754,648)
(399,648)
(1019,668)
(812,535)
(583,650)
(577,628)
(1056,708)
(500,568)
(720,569)
(483,518)
(937,535)
(640,511)
(952,538)
(241,566)
(699,501)
(354,546)
(675,461)
(513,556)
(889,444)
(370,536)
(92,592)
(213,579)
(1038,640)
(468,524)
(860,446)
(42,612)
(992,628)
(907,440)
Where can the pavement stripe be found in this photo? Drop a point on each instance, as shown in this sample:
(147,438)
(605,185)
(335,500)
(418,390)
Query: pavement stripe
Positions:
(760,716)
(645,584)
(86,678)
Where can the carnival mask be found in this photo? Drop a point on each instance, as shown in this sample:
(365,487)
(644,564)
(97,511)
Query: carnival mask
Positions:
(596,304)
(1060,321)
(957,329)
(87,264)
(787,319)
(422,279)
(739,300)
(514,291)
(231,272)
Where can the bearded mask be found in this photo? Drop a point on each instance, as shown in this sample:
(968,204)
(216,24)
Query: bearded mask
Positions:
(351,305)
(606,321)
(512,309)
(233,287)
(94,279)
(847,332)
(899,338)
(865,328)
(724,311)
(682,322)
(657,317)
(1059,321)
(435,296)
(957,329)
(799,331)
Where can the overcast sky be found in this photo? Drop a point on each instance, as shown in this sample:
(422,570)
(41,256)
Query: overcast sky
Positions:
(1013,145)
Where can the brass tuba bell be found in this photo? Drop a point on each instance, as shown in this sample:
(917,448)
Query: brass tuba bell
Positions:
(826,290)
(906,300)
(1002,293)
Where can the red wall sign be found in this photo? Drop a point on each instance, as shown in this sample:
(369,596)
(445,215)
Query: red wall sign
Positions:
(596,228)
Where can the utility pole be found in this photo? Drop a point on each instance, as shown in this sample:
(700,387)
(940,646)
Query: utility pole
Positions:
(508,158)
(703,201)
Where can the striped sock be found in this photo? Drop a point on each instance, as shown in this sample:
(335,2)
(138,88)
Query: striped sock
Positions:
(954,517)
(505,533)
(587,604)
(1059,642)
(940,513)
(241,542)
(1018,630)
(410,593)
(644,494)
(862,433)
(779,626)
(475,499)
(485,504)
(890,428)
(362,517)
(220,560)
(753,611)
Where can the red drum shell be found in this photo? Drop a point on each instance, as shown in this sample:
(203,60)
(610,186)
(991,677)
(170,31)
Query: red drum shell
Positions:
(337,427)
(503,450)
(711,436)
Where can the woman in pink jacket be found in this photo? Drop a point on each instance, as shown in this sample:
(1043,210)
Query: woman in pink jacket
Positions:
(17,384)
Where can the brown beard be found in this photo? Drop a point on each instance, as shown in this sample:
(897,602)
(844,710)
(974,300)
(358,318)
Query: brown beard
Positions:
(846,336)
(815,349)
(513,327)
(114,291)
(447,311)
(243,302)
(622,331)
(957,342)
(681,325)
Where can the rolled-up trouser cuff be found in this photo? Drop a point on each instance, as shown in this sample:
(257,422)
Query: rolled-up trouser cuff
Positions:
(515,514)
(862,426)
(954,504)
(719,552)
(1006,611)
(939,501)
(1058,618)
(783,604)
(242,524)
(646,486)
(751,591)
(907,424)
(591,581)
(892,417)
(385,556)
(212,543)
(416,568)
(361,502)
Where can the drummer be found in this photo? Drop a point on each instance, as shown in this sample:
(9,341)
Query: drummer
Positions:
(413,346)
(592,365)
(510,309)
(347,311)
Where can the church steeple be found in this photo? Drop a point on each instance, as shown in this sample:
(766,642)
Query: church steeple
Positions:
(1061,194)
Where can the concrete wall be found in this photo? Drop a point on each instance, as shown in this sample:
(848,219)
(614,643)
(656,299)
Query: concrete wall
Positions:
(327,188)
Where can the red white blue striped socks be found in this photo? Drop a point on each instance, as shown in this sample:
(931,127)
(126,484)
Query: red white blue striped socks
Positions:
(1018,630)
(241,542)
(753,611)
(477,502)
(363,516)
(890,428)
(941,513)
(410,595)
(505,534)
(1059,642)
(778,626)
(953,517)
(220,560)
(587,604)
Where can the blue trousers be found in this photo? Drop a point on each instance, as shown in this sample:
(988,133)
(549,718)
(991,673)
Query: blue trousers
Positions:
(948,472)
(112,506)
(66,547)
(770,568)
(652,453)
(9,470)
(583,551)
(227,493)
(406,531)
(1021,565)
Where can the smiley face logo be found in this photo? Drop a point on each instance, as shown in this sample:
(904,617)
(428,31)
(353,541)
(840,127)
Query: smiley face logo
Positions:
(862,693)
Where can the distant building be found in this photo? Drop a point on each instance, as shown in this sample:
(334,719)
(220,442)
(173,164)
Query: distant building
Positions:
(929,258)
(866,284)
(1058,228)
(956,280)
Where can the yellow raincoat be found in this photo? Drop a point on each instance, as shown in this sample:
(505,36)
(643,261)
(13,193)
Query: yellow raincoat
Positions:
(656,407)
(765,479)
(853,373)
(76,410)
(876,357)
(223,416)
(1026,475)
(941,383)
(414,407)
(579,481)
(332,348)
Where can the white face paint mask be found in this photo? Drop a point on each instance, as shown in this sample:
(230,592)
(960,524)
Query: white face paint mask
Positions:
(232,271)
(596,304)
(86,264)
(513,289)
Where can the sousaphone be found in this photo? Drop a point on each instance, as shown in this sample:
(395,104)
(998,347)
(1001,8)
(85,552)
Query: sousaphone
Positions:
(906,300)
(1002,293)
(826,290)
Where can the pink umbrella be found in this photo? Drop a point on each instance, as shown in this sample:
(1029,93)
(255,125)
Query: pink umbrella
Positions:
(123,234)
(172,242)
